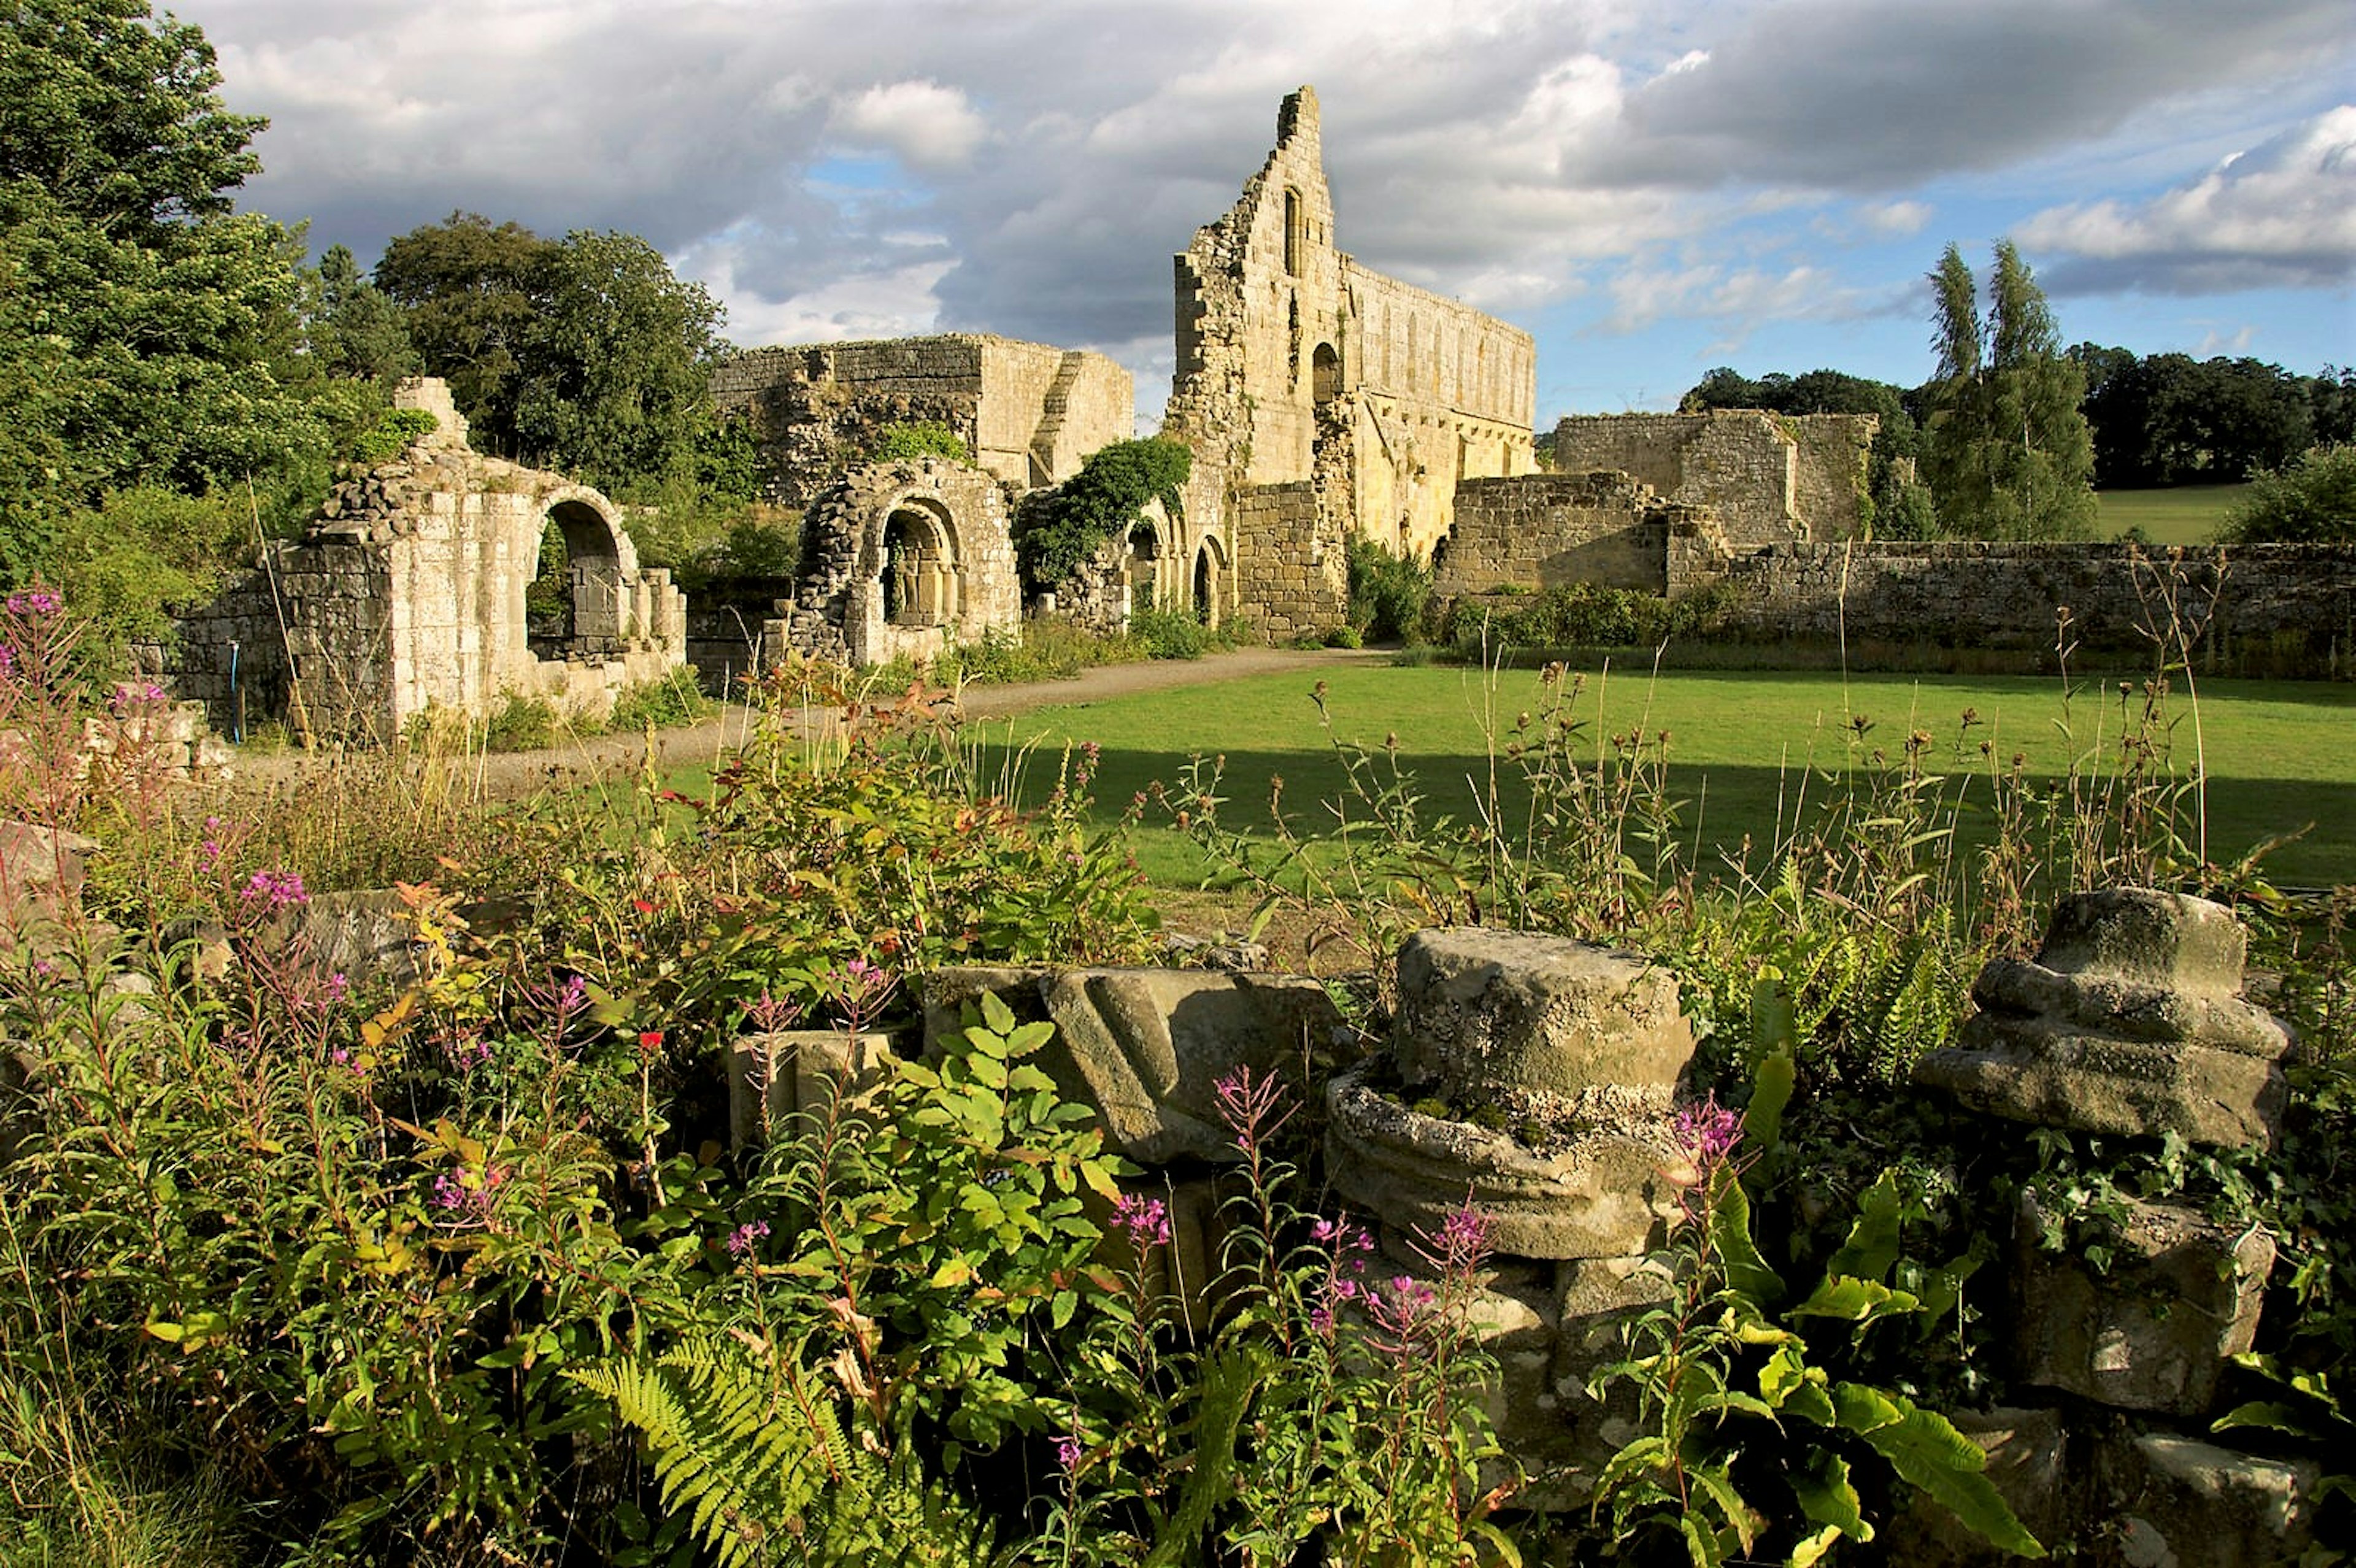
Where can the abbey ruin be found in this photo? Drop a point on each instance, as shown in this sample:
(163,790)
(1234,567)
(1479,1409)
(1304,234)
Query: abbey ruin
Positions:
(1320,401)
(410,591)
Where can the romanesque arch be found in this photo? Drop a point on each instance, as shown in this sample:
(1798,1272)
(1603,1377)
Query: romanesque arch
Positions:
(1210,582)
(917,574)
(1141,565)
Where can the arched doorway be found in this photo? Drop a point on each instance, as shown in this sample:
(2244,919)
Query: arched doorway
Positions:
(917,569)
(1209,568)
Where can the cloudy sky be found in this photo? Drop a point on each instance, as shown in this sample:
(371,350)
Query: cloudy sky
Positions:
(1651,187)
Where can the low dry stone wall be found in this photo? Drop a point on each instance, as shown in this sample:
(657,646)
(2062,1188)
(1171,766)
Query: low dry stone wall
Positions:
(725,622)
(2260,609)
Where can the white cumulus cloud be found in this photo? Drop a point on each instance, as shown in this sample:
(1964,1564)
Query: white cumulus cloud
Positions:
(2283,213)
(927,125)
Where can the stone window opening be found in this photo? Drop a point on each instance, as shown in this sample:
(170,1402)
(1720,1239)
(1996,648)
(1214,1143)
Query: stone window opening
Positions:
(1326,373)
(1141,566)
(917,574)
(1295,238)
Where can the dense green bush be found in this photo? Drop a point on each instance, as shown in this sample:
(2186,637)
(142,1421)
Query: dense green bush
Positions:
(1065,526)
(910,439)
(660,704)
(1390,595)
(394,433)
(1587,614)
(2313,501)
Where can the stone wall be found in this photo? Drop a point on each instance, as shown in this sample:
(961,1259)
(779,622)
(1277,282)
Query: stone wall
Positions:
(1294,362)
(725,620)
(1290,570)
(1028,412)
(1544,531)
(408,592)
(2289,609)
(898,560)
(1768,478)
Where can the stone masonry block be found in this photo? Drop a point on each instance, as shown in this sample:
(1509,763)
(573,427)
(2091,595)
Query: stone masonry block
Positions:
(1480,1008)
(2152,1332)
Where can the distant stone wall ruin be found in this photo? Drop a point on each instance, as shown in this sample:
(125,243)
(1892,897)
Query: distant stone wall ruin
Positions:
(1029,412)
(1292,570)
(2261,609)
(409,591)
(1547,531)
(1768,478)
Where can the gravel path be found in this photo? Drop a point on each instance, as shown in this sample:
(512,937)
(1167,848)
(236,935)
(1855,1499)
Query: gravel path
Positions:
(507,775)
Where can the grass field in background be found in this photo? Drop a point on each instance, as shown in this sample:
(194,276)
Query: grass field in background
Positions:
(2186,515)
(2279,755)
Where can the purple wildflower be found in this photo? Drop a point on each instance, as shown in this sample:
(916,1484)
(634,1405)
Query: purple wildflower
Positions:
(772,1013)
(747,1236)
(1146,1220)
(465,1196)
(278,890)
(1708,1131)
(35,602)
(1067,1455)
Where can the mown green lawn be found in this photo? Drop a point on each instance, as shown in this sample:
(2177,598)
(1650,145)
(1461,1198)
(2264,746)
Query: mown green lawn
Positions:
(1742,746)
(2188,513)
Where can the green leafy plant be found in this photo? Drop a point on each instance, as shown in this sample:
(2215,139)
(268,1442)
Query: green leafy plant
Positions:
(394,433)
(1065,526)
(1390,595)
(910,439)
(1726,1364)
(660,704)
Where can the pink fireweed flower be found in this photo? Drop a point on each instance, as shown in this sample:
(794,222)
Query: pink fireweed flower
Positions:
(1463,1239)
(35,602)
(747,1236)
(1402,1311)
(771,1013)
(1708,1132)
(1249,1105)
(277,889)
(466,1197)
(1146,1220)
(1067,1455)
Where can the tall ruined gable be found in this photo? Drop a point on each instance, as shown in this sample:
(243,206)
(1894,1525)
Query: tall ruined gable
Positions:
(1295,363)
(1257,292)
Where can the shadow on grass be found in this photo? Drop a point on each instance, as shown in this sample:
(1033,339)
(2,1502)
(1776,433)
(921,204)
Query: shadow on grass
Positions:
(1720,805)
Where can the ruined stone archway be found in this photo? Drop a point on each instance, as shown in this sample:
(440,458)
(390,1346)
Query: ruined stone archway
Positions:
(1210,580)
(1141,567)
(591,612)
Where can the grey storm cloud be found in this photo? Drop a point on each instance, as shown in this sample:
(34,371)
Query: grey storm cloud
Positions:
(1862,95)
(903,164)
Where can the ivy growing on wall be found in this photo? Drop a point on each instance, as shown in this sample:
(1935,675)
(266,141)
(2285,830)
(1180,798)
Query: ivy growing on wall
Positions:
(910,439)
(1071,523)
